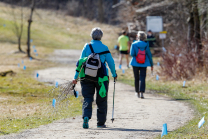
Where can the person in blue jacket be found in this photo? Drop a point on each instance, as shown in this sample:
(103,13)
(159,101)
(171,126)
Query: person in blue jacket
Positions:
(140,69)
(89,85)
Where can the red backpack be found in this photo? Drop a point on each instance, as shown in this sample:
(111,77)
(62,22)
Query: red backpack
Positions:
(141,56)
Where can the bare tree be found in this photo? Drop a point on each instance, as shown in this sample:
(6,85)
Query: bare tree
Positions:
(190,35)
(194,29)
(18,27)
(101,13)
(197,35)
(29,27)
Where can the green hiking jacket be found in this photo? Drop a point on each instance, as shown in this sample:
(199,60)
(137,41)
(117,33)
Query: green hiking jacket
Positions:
(79,67)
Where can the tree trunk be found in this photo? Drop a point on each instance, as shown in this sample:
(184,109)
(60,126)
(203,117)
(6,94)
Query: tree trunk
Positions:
(204,25)
(197,35)
(19,44)
(29,27)
(190,28)
(101,13)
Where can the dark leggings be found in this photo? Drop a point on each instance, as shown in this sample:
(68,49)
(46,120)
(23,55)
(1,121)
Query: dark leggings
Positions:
(139,75)
(88,92)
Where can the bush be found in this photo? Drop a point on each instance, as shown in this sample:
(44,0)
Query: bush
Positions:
(177,63)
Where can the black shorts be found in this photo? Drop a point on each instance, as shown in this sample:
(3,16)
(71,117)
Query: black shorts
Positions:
(124,52)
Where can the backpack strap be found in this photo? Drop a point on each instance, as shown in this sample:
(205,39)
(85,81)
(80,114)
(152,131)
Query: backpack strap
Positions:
(91,48)
(147,45)
(105,52)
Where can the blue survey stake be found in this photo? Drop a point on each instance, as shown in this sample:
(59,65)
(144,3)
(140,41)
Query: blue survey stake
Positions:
(54,103)
(201,122)
(56,85)
(164,130)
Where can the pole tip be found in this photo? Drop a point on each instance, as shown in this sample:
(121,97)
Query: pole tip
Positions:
(112,120)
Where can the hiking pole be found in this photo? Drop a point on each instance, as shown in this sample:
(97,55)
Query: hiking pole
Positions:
(113,100)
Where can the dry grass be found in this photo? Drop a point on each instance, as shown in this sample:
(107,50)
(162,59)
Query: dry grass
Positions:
(56,30)
(24,101)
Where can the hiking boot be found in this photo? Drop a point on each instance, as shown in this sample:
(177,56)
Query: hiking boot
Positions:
(101,126)
(142,95)
(137,94)
(85,123)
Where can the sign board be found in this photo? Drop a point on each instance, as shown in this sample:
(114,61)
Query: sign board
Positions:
(154,23)
(163,32)
(162,36)
(130,27)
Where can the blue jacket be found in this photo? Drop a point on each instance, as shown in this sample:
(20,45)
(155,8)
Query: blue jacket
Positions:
(134,51)
(98,47)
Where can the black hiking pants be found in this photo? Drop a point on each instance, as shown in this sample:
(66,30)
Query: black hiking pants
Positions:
(88,91)
(139,75)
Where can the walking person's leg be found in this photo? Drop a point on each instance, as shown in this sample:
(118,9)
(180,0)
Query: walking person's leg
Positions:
(136,80)
(88,91)
(101,107)
(127,60)
(120,60)
(143,71)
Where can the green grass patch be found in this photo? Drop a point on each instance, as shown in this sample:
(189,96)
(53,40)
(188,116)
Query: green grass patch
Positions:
(25,104)
(195,94)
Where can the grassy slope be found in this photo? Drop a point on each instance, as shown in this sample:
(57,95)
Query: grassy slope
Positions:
(195,94)
(24,101)
(54,30)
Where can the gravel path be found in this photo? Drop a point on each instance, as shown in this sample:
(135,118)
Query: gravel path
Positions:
(134,117)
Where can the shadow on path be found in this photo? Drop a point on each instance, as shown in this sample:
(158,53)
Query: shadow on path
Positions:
(127,129)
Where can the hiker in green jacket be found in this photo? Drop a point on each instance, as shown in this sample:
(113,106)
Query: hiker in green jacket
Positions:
(124,48)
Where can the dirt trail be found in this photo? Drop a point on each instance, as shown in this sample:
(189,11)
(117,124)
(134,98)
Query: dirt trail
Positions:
(134,118)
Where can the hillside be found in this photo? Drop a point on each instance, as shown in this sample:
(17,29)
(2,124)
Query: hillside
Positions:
(54,30)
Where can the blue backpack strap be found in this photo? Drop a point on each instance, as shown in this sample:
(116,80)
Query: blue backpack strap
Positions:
(90,45)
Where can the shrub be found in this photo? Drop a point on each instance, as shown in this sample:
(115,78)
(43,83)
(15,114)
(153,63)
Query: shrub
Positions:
(177,63)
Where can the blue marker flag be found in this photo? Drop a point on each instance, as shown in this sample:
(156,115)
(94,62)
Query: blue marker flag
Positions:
(115,47)
(54,103)
(158,63)
(30,58)
(36,54)
(184,83)
(164,50)
(201,122)
(4,25)
(18,65)
(56,85)
(33,46)
(31,40)
(22,61)
(157,78)
(35,50)
(37,75)
(24,67)
(123,71)
(119,67)
(164,130)
(77,94)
